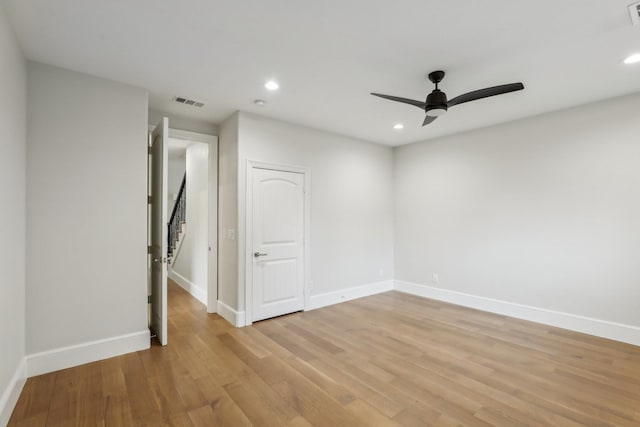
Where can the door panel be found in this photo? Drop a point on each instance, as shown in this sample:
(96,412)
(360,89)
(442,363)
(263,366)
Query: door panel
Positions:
(277,275)
(278,243)
(159,170)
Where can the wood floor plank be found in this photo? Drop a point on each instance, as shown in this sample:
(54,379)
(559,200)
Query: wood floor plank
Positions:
(36,397)
(257,411)
(221,403)
(117,411)
(204,417)
(387,360)
(370,415)
(34,420)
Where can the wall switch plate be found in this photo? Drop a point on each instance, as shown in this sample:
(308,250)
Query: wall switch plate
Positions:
(381,272)
(435,278)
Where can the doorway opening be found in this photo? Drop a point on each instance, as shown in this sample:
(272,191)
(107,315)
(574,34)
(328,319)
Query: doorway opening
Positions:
(183,170)
(188,216)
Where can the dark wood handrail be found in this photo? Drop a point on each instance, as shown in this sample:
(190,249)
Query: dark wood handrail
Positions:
(180,192)
(178,217)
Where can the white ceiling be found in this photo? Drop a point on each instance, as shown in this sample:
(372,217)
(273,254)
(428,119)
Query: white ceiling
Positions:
(328,55)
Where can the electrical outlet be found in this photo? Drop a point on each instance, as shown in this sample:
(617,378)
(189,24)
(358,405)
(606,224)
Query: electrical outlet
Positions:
(435,278)
(381,272)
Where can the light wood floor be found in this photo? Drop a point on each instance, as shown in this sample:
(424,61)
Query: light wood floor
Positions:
(386,360)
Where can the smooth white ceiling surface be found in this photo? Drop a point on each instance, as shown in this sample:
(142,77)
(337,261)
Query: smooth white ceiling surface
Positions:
(328,55)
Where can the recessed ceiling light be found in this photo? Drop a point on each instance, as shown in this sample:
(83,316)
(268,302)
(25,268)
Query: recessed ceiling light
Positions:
(632,59)
(398,126)
(260,102)
(272,85)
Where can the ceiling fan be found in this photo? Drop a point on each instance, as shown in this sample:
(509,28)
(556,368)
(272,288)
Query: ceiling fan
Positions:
(437,104)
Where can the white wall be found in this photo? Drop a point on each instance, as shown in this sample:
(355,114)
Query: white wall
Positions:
(191,260)
(351,200)
(543,211)
(86,210)
(228,212)
(13,110)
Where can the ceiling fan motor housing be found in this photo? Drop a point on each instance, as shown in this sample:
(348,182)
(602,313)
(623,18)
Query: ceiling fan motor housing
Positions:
(436,103)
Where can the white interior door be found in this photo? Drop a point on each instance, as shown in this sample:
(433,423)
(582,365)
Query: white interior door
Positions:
(159,170)
(278,243)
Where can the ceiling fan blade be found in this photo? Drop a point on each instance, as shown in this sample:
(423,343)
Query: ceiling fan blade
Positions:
(485,93)
(428,120)
(418,104)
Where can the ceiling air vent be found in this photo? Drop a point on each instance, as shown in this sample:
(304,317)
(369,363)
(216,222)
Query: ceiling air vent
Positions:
(634,10)
(187,101)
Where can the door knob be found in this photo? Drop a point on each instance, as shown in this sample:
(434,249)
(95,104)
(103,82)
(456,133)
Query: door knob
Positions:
(258,254)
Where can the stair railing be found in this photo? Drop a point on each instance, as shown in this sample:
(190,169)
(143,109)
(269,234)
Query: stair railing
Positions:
(178,217)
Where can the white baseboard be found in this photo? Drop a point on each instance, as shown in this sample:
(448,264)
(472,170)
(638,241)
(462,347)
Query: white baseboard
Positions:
(236,318)
(195,291)
(601,328)
(92,351)
(10,395)
(330,298)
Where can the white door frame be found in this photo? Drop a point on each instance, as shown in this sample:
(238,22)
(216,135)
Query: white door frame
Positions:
(248,267)
(212,267)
